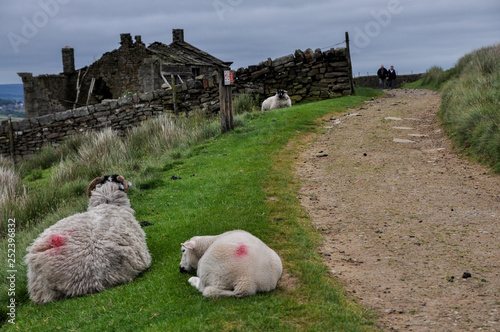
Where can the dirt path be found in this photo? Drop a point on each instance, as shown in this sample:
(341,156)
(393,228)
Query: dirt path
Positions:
(410,228)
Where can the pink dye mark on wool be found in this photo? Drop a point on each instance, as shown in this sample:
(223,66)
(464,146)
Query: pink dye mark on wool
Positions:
(57,240)
(242,250)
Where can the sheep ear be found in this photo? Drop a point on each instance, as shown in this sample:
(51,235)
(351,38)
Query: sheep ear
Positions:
(189,244)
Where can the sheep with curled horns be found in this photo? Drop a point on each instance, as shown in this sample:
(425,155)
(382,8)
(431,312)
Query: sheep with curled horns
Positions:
(91,251)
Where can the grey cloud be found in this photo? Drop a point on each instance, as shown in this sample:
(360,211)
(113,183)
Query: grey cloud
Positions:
(413,37)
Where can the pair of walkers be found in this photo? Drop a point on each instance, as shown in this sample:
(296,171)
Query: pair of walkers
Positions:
(386,75)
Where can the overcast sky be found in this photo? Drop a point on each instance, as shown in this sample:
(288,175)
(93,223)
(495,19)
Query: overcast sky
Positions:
(411,35)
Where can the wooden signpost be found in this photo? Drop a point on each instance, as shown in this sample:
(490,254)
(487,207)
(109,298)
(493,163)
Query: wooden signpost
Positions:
(226,80)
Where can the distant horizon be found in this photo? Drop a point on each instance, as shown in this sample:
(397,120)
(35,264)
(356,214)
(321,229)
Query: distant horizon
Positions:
(12,91)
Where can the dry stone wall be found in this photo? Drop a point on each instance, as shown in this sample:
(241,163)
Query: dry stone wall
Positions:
(29,135)
(307,76)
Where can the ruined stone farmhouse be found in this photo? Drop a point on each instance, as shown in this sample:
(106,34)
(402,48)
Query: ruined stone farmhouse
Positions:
(131,68)
(134,83)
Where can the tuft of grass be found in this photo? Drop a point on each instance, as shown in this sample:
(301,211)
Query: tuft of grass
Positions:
(367,92)
(165,133)
(434,77)
(49,155)
(34,174)
(483,61)
(13,194)
(99,153)
(245,103)
(9,180)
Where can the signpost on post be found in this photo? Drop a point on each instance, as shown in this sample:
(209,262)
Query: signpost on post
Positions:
(226,80)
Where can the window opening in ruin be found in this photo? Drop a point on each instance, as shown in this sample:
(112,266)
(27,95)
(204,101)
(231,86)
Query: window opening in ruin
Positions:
(102,91)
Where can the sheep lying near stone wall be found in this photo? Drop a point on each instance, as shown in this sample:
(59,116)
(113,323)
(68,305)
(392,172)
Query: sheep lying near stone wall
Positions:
(89,252)
(279,100)
(235,263)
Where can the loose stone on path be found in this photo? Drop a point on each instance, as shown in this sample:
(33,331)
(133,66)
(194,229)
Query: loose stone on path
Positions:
(402,140)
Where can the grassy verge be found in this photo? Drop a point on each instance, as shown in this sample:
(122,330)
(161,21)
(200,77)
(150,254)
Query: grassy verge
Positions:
(470,109)
(433,79)
(470,102)
(241,180)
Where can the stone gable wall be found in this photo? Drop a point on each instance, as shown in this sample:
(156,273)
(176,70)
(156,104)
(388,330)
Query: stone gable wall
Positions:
(120,70)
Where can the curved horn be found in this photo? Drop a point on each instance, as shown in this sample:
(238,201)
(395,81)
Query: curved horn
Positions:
(92,185)
(122,180)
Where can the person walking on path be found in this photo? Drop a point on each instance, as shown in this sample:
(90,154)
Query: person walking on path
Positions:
(382,76)
(391,77)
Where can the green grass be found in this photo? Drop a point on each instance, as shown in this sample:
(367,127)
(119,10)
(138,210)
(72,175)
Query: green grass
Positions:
(225,184)
(470,101)
(245,103)
(470,109)
(433,79)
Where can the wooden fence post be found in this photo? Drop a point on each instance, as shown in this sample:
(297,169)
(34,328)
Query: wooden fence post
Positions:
(226,103)
(174,94)
(91,88)
(348,56)
(11,140)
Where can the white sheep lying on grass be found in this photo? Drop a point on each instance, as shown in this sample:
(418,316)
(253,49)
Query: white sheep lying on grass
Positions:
(89,252)
(235,263)
(279,100)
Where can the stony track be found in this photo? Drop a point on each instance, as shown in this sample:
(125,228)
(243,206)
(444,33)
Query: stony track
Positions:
(411,228)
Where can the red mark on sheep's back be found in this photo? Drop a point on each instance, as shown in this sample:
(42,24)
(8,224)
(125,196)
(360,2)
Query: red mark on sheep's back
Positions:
(242,250)
(57,240)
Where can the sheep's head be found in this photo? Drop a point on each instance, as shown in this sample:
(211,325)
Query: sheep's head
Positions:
(189,261)
(99,181)
(281,94)
(109,189)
